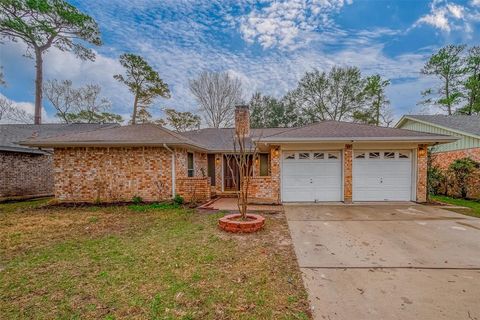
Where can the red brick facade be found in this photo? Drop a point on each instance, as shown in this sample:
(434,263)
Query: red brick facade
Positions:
(422,166)
(193,189)
(25,174)
(442,160)
(347,173)
(112,174)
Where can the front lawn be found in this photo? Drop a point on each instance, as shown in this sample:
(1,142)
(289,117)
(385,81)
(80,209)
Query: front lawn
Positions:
(151,262)
(474,206)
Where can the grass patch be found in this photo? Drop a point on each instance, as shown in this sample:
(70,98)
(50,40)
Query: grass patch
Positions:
(145,262)
(153,206)
(474,206)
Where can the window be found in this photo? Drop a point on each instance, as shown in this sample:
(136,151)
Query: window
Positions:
(374,155)
(289,156)
(389,155)
(211,168)
(360,155)
(332,156)
(263,164)
(403,155)
(318,155)
(190,170)
(304,155)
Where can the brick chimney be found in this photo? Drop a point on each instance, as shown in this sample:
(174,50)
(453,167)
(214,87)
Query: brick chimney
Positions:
(242,120)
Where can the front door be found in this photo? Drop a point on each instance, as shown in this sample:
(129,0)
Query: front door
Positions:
(231,174)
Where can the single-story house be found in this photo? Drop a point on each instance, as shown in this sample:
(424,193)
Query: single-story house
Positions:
(26,171)
(465,128)
(324,161)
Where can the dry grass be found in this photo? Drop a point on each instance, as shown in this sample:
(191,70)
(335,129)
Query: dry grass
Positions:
(163,263)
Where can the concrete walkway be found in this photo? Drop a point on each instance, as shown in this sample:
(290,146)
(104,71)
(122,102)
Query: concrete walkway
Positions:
(393,261)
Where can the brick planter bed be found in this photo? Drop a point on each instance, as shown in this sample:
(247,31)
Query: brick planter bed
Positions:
(232,223)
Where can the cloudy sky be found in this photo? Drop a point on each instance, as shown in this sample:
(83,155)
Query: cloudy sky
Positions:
(267,44)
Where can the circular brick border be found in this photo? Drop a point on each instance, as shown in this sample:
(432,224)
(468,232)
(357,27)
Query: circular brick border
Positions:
(231,223)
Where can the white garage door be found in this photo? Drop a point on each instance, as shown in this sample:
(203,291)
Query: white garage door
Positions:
(382,175)
(311,176)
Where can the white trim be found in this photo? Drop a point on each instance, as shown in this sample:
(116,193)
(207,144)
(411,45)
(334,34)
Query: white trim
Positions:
(414,174)
(422,139)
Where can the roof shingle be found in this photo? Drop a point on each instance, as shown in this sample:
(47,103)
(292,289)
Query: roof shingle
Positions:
(465,123)
(12,134)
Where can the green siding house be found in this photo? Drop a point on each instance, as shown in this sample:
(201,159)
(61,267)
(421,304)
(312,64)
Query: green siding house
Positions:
(466,128)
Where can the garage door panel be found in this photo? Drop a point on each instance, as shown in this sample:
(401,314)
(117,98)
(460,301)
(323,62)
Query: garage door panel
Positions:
(311,179)
(382,179)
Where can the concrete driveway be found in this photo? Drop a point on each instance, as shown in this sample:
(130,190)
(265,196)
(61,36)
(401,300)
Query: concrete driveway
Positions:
(387,261)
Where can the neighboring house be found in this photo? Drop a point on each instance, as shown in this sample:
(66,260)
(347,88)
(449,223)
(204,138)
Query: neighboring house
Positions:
(466,128)
(25,171)
(325,161)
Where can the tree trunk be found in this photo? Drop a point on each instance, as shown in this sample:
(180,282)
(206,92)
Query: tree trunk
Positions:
(134,114)
(38,86)
(447,94)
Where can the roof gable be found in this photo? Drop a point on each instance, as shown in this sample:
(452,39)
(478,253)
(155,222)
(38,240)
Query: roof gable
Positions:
(463,124)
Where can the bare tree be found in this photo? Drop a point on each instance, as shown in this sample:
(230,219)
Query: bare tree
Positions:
(217,93)
(83,104)
(11,113)
(245,153)
(63,97)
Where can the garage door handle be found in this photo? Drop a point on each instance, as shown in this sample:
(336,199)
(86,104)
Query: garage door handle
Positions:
(381,180)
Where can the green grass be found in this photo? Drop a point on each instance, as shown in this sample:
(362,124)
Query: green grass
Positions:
(144,262)
(474,206)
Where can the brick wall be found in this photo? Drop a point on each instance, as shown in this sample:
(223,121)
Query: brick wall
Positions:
(347,173)
(267,188)
(442,160)
(112,174)
(218,173)
(422,165)
(193,189)
(24,174)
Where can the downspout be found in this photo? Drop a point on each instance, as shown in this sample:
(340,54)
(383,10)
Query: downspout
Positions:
(173,168)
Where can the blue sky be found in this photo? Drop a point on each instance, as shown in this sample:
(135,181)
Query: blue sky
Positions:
(267,44)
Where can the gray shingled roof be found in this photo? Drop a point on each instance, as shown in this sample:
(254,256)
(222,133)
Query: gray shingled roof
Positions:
(213,139)
(468,124)
(221,139)
(11,134)
(338,130)
(131,135)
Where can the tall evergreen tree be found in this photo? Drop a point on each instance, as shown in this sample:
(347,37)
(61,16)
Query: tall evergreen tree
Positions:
(43,24)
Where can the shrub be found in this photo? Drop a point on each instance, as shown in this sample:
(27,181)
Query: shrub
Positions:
(178,200)
(461,169)
(435,180)
(137,200)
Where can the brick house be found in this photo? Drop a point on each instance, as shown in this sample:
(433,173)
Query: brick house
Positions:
(25,171)
(465,128)
(325,161)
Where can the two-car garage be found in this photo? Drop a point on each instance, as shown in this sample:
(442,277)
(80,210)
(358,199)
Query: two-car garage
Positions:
(378,175)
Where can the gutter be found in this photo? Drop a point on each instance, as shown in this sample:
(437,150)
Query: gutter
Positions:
(359,139)
(173,168)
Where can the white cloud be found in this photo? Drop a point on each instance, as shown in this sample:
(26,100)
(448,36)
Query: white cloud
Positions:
(29,109)
(280,23)
(447,16)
